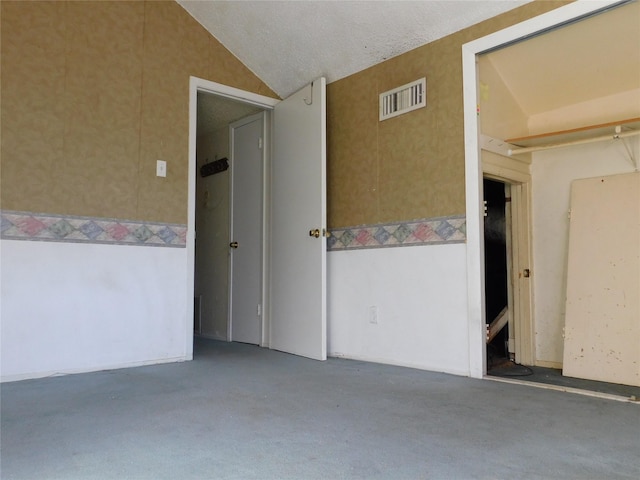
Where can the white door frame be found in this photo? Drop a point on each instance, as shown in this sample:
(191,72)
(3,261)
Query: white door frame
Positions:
(518,222)
(267,103)
(515,172)
(473,168)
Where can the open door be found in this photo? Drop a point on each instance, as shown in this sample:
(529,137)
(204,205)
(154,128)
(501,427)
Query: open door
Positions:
(298,226)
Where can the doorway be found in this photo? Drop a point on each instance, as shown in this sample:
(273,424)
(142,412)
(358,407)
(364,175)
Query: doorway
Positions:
(296,130)
(228,282)
(507,259)
(473,164)
(496,273)
(507,279)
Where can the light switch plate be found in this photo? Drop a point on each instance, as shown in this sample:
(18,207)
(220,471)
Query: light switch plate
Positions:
(161,168)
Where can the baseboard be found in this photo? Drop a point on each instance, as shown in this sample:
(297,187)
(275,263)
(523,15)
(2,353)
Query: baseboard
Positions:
(386,361)
(73,371)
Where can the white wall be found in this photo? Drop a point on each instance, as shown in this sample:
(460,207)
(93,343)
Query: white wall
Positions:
(212,236)
(71,307)
(421,296)
(552,174)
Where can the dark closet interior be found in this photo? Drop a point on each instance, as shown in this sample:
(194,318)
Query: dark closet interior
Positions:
(495,261)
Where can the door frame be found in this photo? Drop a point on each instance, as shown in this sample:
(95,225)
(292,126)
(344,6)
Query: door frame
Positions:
(264,116)
(267,104)
(519,258)
(473,166)
(515,172)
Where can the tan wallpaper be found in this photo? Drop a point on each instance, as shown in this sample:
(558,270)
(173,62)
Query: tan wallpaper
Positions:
(410,166)
(93,93)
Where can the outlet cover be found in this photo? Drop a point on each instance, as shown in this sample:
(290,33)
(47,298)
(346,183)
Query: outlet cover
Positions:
(161,168)
(373,315)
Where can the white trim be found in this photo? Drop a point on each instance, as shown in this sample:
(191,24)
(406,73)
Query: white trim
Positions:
(516,174)
(191,209)
(101,368)
(560,388)
(200,85)
(536,25)
(265,340)
(230,128)
(233,93)
(473,170)
(439,368)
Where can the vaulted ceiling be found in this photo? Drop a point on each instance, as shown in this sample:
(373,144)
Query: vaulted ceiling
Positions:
(289,43)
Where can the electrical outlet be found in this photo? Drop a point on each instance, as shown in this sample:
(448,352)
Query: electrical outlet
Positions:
(373,314)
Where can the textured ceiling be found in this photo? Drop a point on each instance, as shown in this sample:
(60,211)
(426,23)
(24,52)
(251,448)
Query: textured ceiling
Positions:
(289,43)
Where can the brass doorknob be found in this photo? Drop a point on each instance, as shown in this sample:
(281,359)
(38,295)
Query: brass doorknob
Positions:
(314,233)
(233,244)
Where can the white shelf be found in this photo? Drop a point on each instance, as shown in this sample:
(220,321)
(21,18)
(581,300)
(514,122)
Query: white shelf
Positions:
(591,133)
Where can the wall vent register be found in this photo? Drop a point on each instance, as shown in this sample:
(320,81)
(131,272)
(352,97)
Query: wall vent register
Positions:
(403,99)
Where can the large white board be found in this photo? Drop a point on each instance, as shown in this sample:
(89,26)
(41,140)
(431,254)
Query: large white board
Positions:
(602,323)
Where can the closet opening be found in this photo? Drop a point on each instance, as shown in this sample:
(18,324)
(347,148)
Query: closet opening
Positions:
(219,151)
(496,197)
(505,304)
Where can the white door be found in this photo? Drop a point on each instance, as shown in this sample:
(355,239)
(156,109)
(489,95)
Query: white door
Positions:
(246,229)
(298,257)
(602,322)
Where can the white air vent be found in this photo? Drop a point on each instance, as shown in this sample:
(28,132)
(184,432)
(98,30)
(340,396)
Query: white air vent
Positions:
(403,99)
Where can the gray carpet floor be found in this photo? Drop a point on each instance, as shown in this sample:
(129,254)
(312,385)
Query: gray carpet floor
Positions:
(243,412)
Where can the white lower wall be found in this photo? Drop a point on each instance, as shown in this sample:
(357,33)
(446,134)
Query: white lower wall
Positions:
(421,296)
(71,307)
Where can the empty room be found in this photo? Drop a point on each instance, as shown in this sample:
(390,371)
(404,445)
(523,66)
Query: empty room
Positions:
(320,239)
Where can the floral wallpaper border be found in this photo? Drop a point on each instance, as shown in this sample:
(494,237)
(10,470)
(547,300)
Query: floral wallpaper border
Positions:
(429,231)
(66,228)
